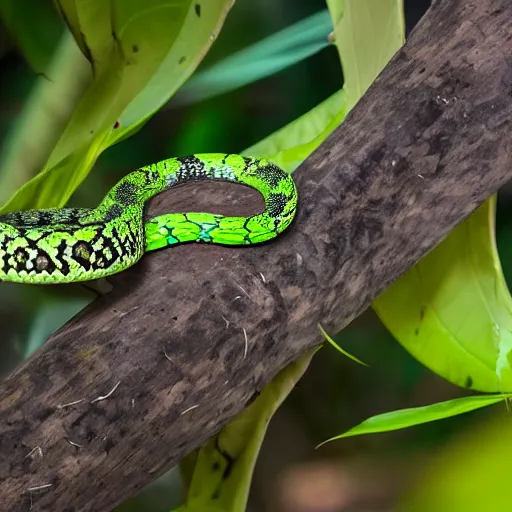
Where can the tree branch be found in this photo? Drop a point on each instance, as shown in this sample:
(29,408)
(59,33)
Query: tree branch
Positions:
(426,145)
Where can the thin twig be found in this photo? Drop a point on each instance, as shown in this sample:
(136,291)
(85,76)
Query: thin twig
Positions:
(246,342)
(98,399)
(70,403)
(189,409)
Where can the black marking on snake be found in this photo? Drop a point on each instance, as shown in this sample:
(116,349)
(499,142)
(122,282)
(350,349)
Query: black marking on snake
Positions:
(198,10)
(6,256)
(10,218)
(61,251)
(289,213)
(139,241)
(106,243)
(129,242)
(249,162)
(245,225)
(13,218)
(276,204)
(117,238)
(126,193)
(44,263)
(21,255)
(193,165)
(82,252)
(113,212)
(27,218)
(114,253)
(149,176)
(43,218)
(271,174)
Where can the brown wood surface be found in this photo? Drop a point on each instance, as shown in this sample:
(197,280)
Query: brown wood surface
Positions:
(427,144)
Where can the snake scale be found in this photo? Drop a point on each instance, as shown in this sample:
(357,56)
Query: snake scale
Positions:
(64,245)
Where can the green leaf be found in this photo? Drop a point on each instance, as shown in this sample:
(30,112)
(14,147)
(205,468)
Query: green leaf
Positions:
(367,34)
(453,311)
(289,146)
(405,418)
(218,475)
(128,43)
(194,34)
(91,24)
(43,118)
(470,473)
(141,53)
(267,57)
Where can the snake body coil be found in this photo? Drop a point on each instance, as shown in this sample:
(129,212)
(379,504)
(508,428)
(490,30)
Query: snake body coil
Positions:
(79,244)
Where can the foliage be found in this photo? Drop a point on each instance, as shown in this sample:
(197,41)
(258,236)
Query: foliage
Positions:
(117,64)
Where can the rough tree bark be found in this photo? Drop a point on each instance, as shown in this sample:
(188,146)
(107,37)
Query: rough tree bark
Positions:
(426,145)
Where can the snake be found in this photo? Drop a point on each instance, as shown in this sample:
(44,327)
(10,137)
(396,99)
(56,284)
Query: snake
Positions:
(65,245)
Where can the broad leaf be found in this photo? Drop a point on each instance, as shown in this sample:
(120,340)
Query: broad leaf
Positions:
(218,475)
(45,115)
(367,34)
(292,144)
(131,44)
(195,27)
(452,310)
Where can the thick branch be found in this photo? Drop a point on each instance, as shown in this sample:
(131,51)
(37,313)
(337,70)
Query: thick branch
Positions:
(426,145)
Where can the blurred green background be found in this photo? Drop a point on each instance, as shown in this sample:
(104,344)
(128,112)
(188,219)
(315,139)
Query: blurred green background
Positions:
(368,473)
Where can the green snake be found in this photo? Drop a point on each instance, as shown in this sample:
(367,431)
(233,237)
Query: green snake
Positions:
(63,245)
